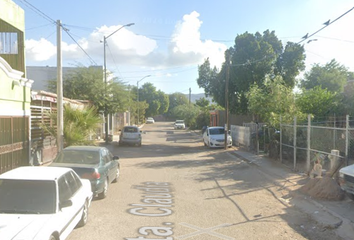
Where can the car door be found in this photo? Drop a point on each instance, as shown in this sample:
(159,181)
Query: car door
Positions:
(109,164)
(66,214)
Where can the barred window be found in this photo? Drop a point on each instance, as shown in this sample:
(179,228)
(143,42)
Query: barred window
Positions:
(8,43)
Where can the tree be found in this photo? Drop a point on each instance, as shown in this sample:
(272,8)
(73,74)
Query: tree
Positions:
(156,100)
(176,99)
(275,99)
(164,100)
(188,112)
(86,83)
(254,58)
(331,76)
(317,101)
(79,125)
(202,102)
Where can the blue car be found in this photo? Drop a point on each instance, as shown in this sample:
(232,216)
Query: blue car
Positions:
(94,163)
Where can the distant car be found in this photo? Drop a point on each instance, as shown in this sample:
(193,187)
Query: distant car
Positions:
(94,163)
(346,180)
(179,124)
(150,120)
(215,137)
(130,135)
(42,203)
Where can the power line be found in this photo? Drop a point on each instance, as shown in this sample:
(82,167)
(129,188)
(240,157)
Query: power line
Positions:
(92,61)
(39,12)
(326,25)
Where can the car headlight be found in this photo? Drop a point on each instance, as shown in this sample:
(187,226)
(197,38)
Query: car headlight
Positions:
(341,175)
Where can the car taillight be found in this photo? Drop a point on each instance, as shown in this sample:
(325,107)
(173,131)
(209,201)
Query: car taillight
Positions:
(93,175)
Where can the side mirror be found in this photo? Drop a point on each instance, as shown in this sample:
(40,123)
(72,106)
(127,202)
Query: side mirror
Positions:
(115,157)
(65,203)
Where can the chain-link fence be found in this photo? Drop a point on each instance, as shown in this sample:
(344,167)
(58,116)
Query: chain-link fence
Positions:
(302,143)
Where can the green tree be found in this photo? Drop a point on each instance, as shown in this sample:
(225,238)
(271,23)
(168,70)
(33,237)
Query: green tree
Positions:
(254,58)
(317,101)
(188,112)
(164,100)
(86,83)
(157,101)
(79,125)
(203,102)
(332,76)
(275,99)
(176,99)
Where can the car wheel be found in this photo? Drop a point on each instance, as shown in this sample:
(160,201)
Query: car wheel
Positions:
(139,145)
(350,195)
(103,194)
(204,143)
(117,176)
(84,216)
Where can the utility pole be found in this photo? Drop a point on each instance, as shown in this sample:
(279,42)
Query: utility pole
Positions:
(60,111)
(190,95)
(227,98)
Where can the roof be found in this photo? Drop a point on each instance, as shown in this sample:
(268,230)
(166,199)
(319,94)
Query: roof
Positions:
(35,173)
(216,127)
(84,148)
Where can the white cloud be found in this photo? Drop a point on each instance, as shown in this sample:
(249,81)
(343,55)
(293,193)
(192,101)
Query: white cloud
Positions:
(186,44)
(41,50)
(185,48)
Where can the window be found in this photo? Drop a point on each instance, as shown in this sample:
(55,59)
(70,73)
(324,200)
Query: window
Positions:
(27,196)
(8,43)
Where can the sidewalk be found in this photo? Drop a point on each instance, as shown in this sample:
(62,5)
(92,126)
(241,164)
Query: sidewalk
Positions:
(324,212)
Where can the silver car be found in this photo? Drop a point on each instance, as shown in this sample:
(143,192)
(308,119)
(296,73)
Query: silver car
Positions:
(130,135)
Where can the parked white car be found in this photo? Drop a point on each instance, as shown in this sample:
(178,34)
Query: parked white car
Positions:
(150,120)
(41,203)
(346,180)
(179,124)
(214,137)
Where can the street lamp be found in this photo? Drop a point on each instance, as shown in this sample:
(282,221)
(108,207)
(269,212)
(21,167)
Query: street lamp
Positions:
(105,78)
(137,86)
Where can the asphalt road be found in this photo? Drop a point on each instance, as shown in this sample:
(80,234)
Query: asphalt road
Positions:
(175,188)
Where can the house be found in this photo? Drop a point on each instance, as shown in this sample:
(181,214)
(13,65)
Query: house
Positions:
(15,91)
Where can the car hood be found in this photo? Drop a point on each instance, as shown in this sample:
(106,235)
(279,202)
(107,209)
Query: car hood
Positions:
(22,226)
(219,136)
(349,170)
(179,124)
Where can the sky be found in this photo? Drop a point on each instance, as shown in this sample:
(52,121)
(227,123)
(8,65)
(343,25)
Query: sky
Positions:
(171,38)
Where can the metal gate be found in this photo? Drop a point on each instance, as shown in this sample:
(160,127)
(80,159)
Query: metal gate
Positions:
(14,142)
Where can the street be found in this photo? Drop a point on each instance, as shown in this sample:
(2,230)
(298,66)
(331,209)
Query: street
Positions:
(173,187)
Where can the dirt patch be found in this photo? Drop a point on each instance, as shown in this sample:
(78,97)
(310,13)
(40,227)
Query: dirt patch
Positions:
(323,188)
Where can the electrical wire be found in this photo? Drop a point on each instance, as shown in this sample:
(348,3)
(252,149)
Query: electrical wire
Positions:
(39,12)
(326,25)
(92,61)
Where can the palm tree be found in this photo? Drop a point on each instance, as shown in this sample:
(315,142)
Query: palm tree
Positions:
(79,125)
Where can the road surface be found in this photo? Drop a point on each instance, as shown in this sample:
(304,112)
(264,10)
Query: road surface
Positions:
(175,188)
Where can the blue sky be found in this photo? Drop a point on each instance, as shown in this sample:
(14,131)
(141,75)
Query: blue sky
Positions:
(170,38)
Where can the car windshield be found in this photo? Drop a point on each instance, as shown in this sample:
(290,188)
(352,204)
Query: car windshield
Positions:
(27,196)
(216,131)
(79,157)
(131,129)
(179,121)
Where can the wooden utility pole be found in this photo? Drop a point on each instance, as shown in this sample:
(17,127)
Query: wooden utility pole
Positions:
(227,98)
(190,95)
(60,110)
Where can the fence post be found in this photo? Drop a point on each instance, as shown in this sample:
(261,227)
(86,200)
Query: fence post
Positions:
(281,142)
(295,142)
(308,160)
(346,139)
